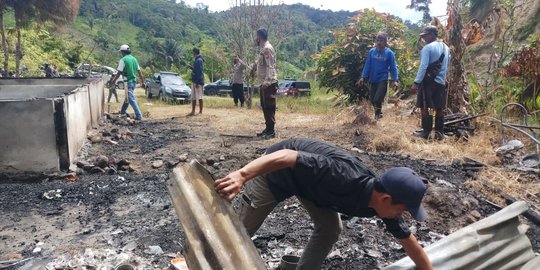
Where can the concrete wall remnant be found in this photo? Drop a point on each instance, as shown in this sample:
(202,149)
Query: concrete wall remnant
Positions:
(44,122)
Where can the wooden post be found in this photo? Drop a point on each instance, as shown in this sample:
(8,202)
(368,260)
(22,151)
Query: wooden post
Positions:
(215,237)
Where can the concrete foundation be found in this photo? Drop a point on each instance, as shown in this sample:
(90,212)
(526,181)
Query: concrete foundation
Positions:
(44,122)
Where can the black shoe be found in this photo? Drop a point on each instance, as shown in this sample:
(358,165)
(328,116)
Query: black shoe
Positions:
(262,133)
(378,117)
(439,127)
(269,135)
(427,126)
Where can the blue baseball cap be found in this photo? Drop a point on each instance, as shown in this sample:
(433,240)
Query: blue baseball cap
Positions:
(406,187)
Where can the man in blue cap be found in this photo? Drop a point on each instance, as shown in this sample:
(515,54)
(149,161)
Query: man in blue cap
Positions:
(430,83)
(327,180)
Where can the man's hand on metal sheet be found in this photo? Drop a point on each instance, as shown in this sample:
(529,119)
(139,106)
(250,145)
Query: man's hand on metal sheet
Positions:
(229,186)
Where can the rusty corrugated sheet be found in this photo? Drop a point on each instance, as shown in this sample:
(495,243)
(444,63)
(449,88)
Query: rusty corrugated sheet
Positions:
(215,236)
(496,242)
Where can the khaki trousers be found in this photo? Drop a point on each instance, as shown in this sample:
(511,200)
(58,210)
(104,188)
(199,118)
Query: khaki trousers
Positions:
(257,201)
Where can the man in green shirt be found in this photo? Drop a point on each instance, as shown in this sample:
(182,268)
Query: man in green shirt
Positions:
(129,67)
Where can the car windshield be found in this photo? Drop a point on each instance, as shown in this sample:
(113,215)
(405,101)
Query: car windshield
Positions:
(172,80)
(284,85)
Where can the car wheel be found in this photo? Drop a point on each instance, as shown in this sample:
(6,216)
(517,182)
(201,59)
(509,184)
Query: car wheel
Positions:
(213,92)
(148,93)
(121,85)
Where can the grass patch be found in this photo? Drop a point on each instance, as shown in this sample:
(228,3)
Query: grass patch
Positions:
(394,134)
(495,183)
(319,102)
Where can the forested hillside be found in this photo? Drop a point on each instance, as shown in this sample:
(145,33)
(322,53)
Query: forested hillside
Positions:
(162,33)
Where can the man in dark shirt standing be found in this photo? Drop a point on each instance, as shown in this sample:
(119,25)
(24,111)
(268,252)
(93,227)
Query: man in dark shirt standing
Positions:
(197,80)
(326,180)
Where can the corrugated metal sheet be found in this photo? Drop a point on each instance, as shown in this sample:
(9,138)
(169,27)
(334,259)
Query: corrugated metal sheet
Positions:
(496,242)
(215,236)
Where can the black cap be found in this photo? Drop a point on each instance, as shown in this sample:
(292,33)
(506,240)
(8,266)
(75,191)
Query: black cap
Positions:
(263,33)
(430,30)
(405,186)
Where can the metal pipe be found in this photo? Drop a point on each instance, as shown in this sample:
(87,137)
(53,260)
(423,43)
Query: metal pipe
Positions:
(503,110)
(522,131)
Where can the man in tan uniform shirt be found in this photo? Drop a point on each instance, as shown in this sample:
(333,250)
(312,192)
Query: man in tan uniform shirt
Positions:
(267,78)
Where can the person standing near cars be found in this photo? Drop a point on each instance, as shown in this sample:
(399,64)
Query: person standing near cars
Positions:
(197,80)
(268,83)
(430,83)
(379,62)
(237,81)
(129,68)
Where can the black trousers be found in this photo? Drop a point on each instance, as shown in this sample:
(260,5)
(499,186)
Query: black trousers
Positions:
(431,95)
(268,104)
(238,94)
(377,92)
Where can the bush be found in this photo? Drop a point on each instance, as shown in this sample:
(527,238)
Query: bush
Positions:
(339,65)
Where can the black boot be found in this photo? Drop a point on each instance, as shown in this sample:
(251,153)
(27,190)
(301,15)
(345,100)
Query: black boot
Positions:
(427,126)
(269,135)
(262,133)
(378,114)
(439,127)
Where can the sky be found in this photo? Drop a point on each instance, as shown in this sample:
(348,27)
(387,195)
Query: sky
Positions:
(395,7)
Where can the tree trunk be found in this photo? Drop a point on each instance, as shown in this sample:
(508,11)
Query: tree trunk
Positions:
(458,87)
(18,51)
(4,42)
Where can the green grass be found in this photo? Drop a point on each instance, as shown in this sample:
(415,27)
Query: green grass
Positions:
(320,102)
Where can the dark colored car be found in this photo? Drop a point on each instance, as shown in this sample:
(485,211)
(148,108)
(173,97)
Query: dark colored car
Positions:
(219,87)
(294,88)
(168,86)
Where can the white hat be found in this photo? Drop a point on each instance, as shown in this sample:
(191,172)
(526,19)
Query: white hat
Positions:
(125,47)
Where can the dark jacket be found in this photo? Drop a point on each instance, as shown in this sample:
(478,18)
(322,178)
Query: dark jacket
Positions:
(331,178)
(197,74)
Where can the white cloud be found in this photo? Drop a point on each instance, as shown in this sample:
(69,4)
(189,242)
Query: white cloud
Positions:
(398,8)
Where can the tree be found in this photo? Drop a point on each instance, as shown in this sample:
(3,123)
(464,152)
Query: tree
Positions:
(55,11)
(217,61)
(422,6)
(525,65)
(244,18)
(23,14)
(458,87)
(3,8)
(340,64)
(169,51)
(480,9)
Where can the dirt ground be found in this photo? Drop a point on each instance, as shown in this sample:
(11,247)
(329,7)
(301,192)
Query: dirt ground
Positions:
(103,217)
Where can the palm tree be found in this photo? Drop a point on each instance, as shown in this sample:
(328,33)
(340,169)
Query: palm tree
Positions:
(170,51)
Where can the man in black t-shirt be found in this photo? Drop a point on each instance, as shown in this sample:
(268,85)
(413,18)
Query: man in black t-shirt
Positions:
(327,180)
